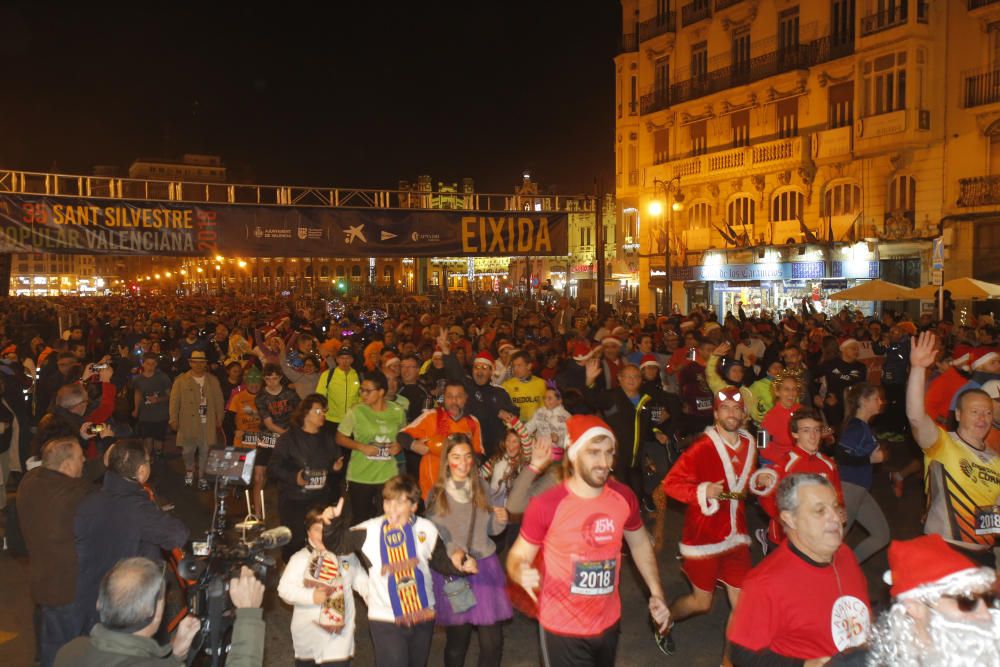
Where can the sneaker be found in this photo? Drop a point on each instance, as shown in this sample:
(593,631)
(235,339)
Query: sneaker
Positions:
(665,642)
(203,485)
(189,479)
(896,481)
(761,535)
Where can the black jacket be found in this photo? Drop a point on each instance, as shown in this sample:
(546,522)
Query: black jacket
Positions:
(120,521)
(297,450)
(485,402)
(621,415)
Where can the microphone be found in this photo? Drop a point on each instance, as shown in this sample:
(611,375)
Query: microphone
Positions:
(272,539)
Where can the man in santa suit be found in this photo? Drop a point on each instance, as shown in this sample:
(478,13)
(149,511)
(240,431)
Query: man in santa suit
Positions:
(713,477)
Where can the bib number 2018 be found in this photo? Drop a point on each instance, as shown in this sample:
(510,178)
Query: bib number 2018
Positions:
(593,577)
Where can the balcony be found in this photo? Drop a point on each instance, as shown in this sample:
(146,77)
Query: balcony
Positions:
(978,191)
(766,155)
(657,25)
(832,144)
(832,47)
(695,11)
(981,87)
(629,43)
(979,4)
(894,15)
(656,100)
(725,4)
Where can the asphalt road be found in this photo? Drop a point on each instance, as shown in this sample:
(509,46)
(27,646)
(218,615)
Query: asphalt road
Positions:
(699,640)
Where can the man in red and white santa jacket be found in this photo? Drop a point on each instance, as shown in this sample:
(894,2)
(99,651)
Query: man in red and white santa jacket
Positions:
(714,477)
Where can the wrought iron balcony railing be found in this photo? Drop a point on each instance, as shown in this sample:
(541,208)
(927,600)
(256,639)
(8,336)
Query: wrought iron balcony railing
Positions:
(629,43)
(978,191)
(657,25)
(976,4)
(982,87)
(695,11)
(890,17)
(725,4)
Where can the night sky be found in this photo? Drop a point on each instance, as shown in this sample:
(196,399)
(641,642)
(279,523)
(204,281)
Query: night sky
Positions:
(353,94)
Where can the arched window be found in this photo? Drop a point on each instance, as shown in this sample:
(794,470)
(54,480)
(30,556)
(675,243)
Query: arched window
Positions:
(356,271)
(700,215)
(388,274)
(902,193)
(340,270)
(787,205)
(266,272)
(309,271)
(279,272)
(741,211)
(324,271)
(842,199)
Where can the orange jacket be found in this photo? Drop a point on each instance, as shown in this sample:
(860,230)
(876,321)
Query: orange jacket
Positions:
(436,425)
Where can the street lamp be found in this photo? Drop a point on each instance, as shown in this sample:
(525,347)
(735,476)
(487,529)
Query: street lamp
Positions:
(656,206)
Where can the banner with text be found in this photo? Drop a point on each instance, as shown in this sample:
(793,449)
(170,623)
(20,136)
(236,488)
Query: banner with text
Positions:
(69,225)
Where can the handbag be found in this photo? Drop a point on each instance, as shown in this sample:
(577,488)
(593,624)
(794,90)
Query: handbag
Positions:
(457,589)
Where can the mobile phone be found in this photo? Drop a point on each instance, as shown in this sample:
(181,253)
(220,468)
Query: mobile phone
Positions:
(98,367)
(692,354)
(763,438)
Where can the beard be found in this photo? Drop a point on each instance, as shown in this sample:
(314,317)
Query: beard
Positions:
(595,477)
(896,641)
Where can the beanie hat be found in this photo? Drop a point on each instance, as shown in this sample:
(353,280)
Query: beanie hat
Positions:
(926,568)
(484,357)
(648,360)
(580,429)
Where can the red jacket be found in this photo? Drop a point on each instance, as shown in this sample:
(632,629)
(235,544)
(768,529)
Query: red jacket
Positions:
(712,527)
(776,423)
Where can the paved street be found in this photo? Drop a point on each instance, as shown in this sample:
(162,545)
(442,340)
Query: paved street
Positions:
(699,639)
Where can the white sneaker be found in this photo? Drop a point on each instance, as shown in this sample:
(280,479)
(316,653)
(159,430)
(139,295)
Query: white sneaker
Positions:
(189,478)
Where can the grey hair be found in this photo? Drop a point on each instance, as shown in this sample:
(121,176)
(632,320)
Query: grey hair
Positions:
(787,494)
(71,395)
(129,594)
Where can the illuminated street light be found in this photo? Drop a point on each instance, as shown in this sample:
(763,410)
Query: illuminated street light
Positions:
(201,270)
(219,258)
(157,275)
(218,268)
(168,274)
(242,264)
(184,272)
(655,207)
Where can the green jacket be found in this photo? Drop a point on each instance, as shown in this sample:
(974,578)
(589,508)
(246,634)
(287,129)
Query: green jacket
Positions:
(342,391)
(107,648)
(763,399)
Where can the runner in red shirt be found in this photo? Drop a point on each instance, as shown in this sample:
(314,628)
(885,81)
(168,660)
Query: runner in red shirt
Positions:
(807,601)
(581,524)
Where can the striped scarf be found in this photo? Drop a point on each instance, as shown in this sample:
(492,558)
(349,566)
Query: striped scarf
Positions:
(407,587)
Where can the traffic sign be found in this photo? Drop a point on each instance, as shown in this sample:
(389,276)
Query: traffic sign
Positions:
(937,255)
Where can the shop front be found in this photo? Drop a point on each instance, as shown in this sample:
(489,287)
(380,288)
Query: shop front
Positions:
(773,285)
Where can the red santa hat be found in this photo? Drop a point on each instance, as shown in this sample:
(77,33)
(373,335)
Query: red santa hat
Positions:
(982,357)
(648,360)
(273,328)
(581,351)
(962,356)
(581,429)
(728,394)
(505,345)
(484,357)
(848,341)
(437,351)
(926,568)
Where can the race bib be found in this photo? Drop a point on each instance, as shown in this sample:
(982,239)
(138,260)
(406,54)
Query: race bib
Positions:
(988,520)
(382,455)
(593,577)
(315,478)
(657,414)
(703,404)
(267,440)
(203,412)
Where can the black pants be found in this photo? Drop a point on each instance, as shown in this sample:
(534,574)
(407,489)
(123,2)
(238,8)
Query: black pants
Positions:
(563,651)
(459,637)
(335,663)
(366,501)
(401,646)
(292,513)
(59,626)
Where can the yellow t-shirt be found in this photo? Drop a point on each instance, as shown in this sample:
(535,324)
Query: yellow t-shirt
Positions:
(526,394)
(959,479)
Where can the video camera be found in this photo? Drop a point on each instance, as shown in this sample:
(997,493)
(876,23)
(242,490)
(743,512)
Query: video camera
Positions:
(222,555)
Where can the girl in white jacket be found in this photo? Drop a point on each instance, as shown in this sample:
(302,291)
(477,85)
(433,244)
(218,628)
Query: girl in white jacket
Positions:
(319,585)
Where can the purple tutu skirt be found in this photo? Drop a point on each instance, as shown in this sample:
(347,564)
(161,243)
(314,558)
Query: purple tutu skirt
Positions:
(492,603)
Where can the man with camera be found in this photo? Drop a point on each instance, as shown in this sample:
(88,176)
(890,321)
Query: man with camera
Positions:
(72,412)
(131,603)
(120,521)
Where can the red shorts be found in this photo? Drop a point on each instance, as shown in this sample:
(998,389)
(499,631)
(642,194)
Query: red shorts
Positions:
(730,568)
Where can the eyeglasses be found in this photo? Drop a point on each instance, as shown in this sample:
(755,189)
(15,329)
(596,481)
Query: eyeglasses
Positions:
(363,390)
(969,603)
(318,411)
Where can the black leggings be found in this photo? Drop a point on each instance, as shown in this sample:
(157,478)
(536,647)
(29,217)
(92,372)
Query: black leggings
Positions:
(366,501)
(459,637)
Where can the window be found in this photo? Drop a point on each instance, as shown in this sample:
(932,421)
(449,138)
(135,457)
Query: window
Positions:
(279,272)
(356,272)
(841,104)
(739,123)
(585,233)
(788,117)
(788,32)
(787,205)
(902,193)
(885,83)
(700,215)
(699,61)
(340,270)
(661,77)
(741,211)
(842,199)
(630,221)
(633,165)
(633,96)
(387,274)
(699,137)
(324,271)
(660,152)
(741,52)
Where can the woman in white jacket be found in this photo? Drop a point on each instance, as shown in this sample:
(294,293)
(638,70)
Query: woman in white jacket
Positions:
(319,585)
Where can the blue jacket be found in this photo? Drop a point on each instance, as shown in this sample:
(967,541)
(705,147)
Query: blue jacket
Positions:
(853,453)
(120,521)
